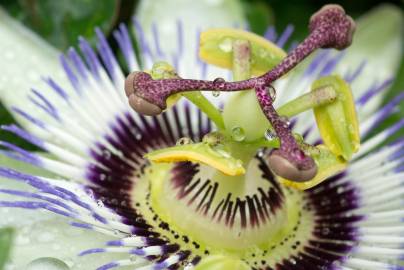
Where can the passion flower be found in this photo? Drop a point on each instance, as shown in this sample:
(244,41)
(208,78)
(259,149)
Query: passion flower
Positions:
(187,189)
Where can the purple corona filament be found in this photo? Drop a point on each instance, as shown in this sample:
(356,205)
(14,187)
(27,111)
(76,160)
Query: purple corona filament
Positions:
(330,27)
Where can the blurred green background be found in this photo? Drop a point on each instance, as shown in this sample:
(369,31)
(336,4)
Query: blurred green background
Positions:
(61,22)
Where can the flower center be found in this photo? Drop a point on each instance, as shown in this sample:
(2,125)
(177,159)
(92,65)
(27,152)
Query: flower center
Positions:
(221,212)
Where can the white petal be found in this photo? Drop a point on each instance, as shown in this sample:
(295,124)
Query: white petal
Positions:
(24,58)
(378,40)
(18,216)
(55,238)
(193,15)
(190,17)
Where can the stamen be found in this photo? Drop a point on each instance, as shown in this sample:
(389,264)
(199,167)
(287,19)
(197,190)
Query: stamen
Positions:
(329,27)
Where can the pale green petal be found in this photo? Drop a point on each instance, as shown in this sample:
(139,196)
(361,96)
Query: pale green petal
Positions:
(55,238)
(24,59)
(379,41)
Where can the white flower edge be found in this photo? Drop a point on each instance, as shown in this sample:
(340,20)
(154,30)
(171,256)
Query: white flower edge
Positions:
(25,59)
(378,39)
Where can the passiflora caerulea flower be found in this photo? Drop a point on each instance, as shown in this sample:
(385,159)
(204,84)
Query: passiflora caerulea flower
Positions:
(197,187)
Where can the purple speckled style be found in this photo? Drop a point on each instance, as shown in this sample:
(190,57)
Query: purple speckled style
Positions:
(330,27)
(289,148)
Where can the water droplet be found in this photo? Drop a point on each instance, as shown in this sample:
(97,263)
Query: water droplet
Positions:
(215,93)
(124,204)
(184,141)
(260,153)
(47,263)
(213,138)
(340,190)
(133,258)
(224,153)
(272,92)
(140,220)
(90,193)
(285,120)
(165,238)
(270,135)
(292,261)
(103,177)
(100,203)
(189,266)
(114,201)
(138,136)
(219,83)
(238,134)
(226,45)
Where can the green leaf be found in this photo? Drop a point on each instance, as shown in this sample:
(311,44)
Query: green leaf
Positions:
(61,22)
(6,238)
(259,15)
